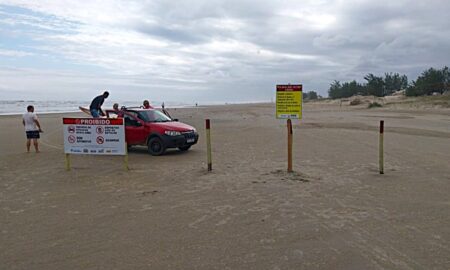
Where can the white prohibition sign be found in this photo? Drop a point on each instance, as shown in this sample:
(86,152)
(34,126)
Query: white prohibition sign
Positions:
(100,140)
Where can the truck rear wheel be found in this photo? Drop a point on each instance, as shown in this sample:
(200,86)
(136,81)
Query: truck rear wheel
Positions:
(156,146)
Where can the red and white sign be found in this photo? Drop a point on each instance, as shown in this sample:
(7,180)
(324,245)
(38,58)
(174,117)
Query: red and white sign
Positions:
(91,136)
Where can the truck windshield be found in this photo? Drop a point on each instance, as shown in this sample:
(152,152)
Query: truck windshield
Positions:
(153,116)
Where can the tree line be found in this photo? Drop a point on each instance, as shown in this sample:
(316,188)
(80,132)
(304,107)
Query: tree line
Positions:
(310,95)
(430,81)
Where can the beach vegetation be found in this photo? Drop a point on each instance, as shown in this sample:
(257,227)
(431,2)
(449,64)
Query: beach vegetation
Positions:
(394,82)
(311,95)
(374,105)
(431,82)
(345,90)
(375,85)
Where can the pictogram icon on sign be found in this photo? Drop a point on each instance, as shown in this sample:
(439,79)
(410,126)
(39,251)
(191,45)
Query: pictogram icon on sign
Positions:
(71,129)
(100,130)
(71,139)
(100,140)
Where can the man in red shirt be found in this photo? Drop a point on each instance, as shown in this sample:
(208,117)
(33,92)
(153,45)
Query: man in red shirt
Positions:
(146,105)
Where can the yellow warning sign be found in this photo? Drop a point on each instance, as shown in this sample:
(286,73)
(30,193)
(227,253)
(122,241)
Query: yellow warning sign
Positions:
(289,101)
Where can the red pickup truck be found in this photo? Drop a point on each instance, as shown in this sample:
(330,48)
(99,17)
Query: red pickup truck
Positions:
(154,129)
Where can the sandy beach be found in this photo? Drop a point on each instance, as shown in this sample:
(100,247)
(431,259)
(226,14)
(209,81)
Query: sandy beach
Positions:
(334,212)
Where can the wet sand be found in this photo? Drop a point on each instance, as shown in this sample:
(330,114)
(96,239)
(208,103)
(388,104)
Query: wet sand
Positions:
(334,212)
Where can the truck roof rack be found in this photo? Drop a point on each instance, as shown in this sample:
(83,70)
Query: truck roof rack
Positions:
(132,107)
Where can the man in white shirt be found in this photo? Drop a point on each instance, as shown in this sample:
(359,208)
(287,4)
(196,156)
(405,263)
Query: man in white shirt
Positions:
(32,128)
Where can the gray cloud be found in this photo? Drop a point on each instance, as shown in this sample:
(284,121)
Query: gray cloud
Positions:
(214,49)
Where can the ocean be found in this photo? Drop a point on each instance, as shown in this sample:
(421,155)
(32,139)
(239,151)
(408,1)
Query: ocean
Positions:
(13,107)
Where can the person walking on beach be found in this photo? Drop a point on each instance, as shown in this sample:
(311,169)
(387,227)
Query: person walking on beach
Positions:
(32,128)
(147,105)
(96,105)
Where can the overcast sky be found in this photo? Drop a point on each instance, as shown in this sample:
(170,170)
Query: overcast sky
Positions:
(211,50)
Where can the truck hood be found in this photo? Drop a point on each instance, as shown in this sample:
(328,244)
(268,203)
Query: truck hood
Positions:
(175,126)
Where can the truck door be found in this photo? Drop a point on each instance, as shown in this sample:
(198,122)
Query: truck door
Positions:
(134,129)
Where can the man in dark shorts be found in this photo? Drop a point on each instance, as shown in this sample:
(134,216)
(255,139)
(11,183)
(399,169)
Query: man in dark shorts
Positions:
(32,128)
(96,105)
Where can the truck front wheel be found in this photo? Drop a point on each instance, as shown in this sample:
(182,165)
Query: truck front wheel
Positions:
(156,146)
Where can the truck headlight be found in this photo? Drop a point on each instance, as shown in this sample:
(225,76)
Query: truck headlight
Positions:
(172,133)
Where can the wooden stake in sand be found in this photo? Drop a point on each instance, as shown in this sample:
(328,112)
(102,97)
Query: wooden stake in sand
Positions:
(208,144)
(289,128)
(381,148)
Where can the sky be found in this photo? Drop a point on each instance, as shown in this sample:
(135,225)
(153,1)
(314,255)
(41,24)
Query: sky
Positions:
(211,50)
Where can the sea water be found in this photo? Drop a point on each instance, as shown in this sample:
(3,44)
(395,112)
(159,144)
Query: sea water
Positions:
(11,107)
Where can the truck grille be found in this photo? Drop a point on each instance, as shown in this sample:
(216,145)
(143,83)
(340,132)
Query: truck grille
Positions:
(189,134)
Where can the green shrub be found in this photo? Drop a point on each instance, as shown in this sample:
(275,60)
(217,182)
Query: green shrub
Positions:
(374,105)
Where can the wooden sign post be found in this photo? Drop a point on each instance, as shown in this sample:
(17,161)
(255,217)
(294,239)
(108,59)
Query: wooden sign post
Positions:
(289,128)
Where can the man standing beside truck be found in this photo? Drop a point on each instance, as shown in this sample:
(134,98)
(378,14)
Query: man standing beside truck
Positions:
(96,105)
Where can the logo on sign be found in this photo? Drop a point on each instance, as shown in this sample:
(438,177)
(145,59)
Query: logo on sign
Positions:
(71,129)
(100,140)
(71,139)
(100,130)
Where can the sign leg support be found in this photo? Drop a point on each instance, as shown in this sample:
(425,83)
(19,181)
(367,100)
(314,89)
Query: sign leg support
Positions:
(67,158)
(125,159)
